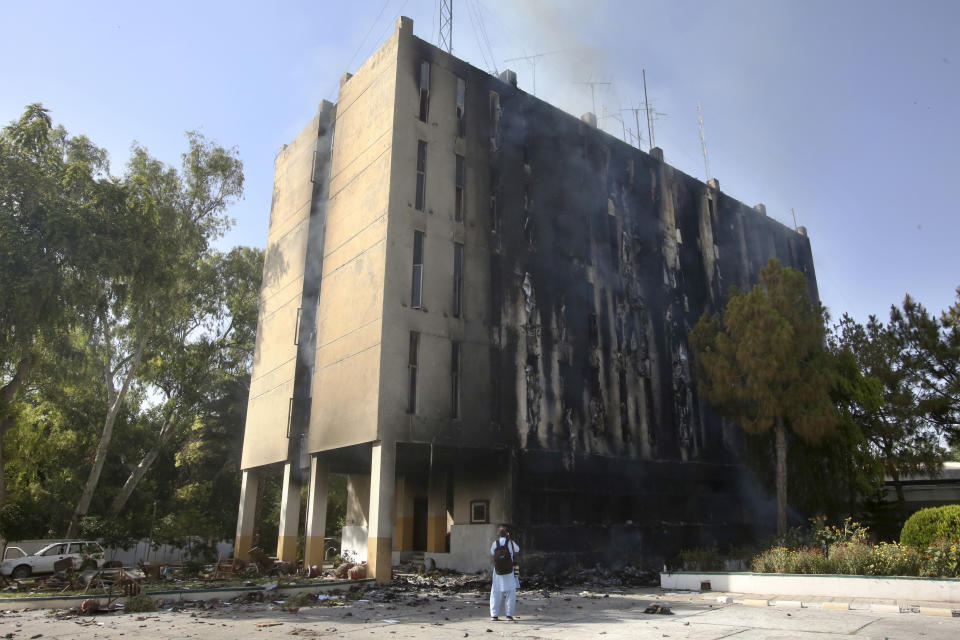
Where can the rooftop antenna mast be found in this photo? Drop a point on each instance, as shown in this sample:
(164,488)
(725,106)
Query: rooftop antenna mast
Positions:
(646,106)
(636,117)
(533,63)
(703,142)
(592,96)
(446,25)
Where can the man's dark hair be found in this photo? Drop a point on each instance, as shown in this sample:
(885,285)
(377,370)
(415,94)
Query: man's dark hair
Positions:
(502,532)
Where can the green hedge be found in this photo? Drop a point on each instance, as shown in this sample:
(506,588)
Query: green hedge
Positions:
(929,525)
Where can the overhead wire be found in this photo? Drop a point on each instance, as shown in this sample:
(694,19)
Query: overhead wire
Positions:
(476,34)
(383,34)
(486,37)
(359,46)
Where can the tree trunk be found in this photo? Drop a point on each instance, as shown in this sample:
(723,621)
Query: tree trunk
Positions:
(7,393)
(83,505)
(901,499)
(781,446)
(140,470)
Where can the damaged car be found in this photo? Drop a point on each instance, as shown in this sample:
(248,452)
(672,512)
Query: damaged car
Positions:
(82,553)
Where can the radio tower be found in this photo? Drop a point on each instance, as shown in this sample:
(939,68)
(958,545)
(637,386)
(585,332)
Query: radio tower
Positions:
(446,25)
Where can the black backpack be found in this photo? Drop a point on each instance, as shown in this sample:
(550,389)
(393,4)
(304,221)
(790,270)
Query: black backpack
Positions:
(502,560)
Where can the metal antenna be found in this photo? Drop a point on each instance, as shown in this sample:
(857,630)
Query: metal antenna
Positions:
(794,218)
(592,96)
(446,25)
(703,142)
(616,115)
(646,105)
(533,63)
(636,117)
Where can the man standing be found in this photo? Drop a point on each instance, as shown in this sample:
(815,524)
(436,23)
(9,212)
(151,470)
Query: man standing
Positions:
(505,582)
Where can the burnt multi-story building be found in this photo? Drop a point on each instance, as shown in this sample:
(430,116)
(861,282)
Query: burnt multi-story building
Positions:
(477,307)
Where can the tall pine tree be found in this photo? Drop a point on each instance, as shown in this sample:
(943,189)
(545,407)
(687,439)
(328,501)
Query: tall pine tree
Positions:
(763,364)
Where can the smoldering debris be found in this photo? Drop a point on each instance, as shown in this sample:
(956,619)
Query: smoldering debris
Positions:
(658,609)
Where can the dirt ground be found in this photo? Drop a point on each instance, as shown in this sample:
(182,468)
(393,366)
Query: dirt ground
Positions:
(416,611)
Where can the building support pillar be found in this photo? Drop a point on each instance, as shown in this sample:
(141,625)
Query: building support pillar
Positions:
(249,489)
(313,548)
(289,515)
(437,512)
(383,469)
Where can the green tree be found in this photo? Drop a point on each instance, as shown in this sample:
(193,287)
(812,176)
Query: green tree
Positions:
(47,182)
(904,436)
(932,354)
(201,372)
(763,364)
(156,225)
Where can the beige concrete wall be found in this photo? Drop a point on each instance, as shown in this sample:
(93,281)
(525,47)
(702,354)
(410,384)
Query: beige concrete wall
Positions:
(481,483)
(271,384)
(350,314)
(434,320)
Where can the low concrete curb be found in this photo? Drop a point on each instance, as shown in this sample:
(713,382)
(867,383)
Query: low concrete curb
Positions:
(830,586)
(753,602)
(174,595)
(936,611)
(789,604)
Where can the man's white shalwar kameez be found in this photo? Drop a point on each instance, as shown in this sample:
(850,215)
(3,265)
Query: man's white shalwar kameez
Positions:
(505,585)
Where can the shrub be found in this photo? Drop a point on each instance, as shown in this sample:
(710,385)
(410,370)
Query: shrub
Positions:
(941,559)
(139,604)
(783,560)
(701,559)
(852,558)
(822,535)
(893,559)
(929,525)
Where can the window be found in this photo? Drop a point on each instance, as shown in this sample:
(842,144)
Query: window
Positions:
(461,107)
(414,354)
(421,174)
(296,328)
(424,90)
(290,418)
(494,190)
(494,120)
(479,511)
(416,291)
(455,380)
(458,200)
(457,279)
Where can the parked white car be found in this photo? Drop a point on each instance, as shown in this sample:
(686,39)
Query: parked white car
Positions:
(42,561)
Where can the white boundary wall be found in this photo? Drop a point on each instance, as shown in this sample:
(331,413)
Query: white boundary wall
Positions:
(142,550)
(835,586)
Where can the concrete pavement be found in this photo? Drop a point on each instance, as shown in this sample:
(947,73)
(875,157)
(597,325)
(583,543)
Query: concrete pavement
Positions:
(565,615)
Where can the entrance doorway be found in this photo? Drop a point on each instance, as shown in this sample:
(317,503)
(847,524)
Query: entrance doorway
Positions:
(420,523)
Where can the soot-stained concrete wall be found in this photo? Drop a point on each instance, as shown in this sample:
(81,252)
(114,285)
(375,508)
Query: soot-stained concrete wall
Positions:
(602,259)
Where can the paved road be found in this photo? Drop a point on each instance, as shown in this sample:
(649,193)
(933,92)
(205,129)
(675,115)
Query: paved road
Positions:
(560,616)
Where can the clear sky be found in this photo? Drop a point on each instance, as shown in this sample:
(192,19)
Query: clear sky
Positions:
(845,111)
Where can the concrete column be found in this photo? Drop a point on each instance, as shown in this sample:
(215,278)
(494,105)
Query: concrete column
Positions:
(249,488)
(353,540)
(437,513)
(289,516)
(383,471)
(313,547)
